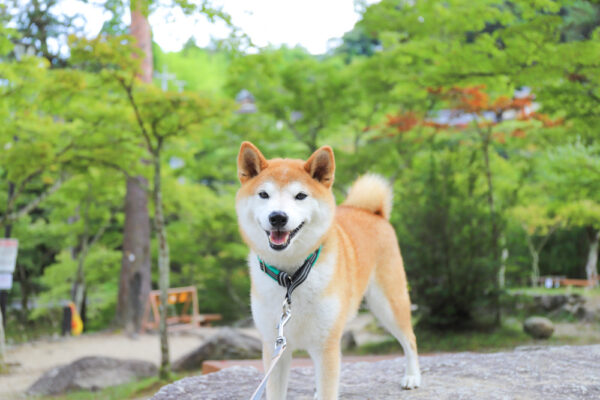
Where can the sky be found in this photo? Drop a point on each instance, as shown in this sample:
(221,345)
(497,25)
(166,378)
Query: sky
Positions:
(308,23)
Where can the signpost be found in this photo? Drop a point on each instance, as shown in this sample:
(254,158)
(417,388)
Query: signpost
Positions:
(8,261)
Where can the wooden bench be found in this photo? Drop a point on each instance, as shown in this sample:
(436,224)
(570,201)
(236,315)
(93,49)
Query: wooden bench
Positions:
(188,317)
(579,282)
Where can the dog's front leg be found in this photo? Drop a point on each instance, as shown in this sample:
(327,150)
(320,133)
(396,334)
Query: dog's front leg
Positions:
(327,371)
(278,381)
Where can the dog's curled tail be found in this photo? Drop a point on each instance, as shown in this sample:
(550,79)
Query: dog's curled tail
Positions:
(372,193)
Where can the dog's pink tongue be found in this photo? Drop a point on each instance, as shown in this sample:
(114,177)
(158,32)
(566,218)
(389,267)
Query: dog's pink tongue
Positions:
(278,237)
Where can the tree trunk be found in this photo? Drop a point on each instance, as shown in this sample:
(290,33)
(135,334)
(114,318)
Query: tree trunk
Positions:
(591,266)
(502,271)
(163,268)
(78,289)
(140,30)
(135,280)
(535,269)
(79,283)
(494,223)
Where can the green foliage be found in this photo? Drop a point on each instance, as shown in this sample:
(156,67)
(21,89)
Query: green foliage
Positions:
(297,90)
(422,92)
(448,256)
(102,266)
(572,174)
(202,70)
(39,25)
(206,250)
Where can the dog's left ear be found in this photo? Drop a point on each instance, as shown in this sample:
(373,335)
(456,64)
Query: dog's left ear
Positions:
(321,166)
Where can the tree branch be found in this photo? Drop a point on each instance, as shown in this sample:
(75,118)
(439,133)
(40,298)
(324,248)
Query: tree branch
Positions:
(138,116)
(33,203)
(102,229)
(294,130)
(545,239)
(103,162)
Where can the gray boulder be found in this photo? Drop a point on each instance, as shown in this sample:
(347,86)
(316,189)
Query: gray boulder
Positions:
(568,372)
(553,304)
(91,373)
(538,327)
(227,344)
(550,302)
(348,341)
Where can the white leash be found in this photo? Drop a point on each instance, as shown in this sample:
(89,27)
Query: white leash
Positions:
(280,346)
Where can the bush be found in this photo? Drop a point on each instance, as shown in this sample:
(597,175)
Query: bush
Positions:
(444,230)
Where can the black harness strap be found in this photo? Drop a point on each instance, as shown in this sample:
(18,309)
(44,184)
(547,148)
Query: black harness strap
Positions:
(291,282)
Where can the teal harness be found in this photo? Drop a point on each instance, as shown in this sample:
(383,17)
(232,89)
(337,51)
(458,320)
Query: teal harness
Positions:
(284,279)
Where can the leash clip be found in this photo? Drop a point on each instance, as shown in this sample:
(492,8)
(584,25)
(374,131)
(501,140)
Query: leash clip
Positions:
(285,317)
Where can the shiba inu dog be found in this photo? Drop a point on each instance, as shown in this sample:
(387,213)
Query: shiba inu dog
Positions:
(287,215)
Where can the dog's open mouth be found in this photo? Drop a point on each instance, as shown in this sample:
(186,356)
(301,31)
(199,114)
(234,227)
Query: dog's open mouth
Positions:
(279,240)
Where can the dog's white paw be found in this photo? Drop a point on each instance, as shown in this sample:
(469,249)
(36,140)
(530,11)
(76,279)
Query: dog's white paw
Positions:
(411,381)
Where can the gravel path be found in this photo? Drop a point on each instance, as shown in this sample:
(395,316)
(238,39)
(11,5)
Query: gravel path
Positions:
(33,359)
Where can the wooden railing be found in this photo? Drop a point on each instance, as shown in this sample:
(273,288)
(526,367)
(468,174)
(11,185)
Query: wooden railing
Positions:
(188,316)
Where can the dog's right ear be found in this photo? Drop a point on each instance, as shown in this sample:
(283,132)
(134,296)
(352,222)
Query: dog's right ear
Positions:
(250,162)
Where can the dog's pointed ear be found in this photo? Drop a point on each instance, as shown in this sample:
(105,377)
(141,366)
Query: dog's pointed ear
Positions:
(321,166)
(250,162)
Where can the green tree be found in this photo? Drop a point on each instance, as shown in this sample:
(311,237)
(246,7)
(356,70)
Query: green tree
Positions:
(85,267)
(159,118)
(309,97)
(42,31)
(571,173)
(538,223)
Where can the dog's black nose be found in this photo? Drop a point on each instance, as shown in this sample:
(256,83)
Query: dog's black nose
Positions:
(278,219)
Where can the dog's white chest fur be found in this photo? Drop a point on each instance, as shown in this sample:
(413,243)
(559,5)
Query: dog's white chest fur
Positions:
(313,313)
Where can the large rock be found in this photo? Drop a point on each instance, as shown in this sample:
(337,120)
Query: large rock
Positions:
(550,302)
(91,373)
(227,344)
(538,327)
(569,372)
(364,329)
(554,304)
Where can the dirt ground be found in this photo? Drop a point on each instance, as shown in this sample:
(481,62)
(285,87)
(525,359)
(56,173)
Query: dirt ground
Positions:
(31,360)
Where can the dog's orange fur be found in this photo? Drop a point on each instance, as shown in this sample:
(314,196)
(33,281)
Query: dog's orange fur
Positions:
(358,255)
(363,241)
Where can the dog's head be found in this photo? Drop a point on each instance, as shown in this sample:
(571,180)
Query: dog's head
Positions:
(284,207)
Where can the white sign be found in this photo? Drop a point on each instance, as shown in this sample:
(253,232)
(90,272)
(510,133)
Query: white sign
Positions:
(8,255)
(6,279)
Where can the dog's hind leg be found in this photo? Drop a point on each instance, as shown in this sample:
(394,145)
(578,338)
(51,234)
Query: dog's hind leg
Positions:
(390,303)
(278,381)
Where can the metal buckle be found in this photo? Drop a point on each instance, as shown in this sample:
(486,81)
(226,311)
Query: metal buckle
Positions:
(285,317)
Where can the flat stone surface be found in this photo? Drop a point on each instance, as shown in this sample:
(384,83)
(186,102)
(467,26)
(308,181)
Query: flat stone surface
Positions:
(210,366)
(566,372)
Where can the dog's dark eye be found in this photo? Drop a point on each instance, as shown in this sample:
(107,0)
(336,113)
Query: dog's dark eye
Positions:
(263,195)
(301,196)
